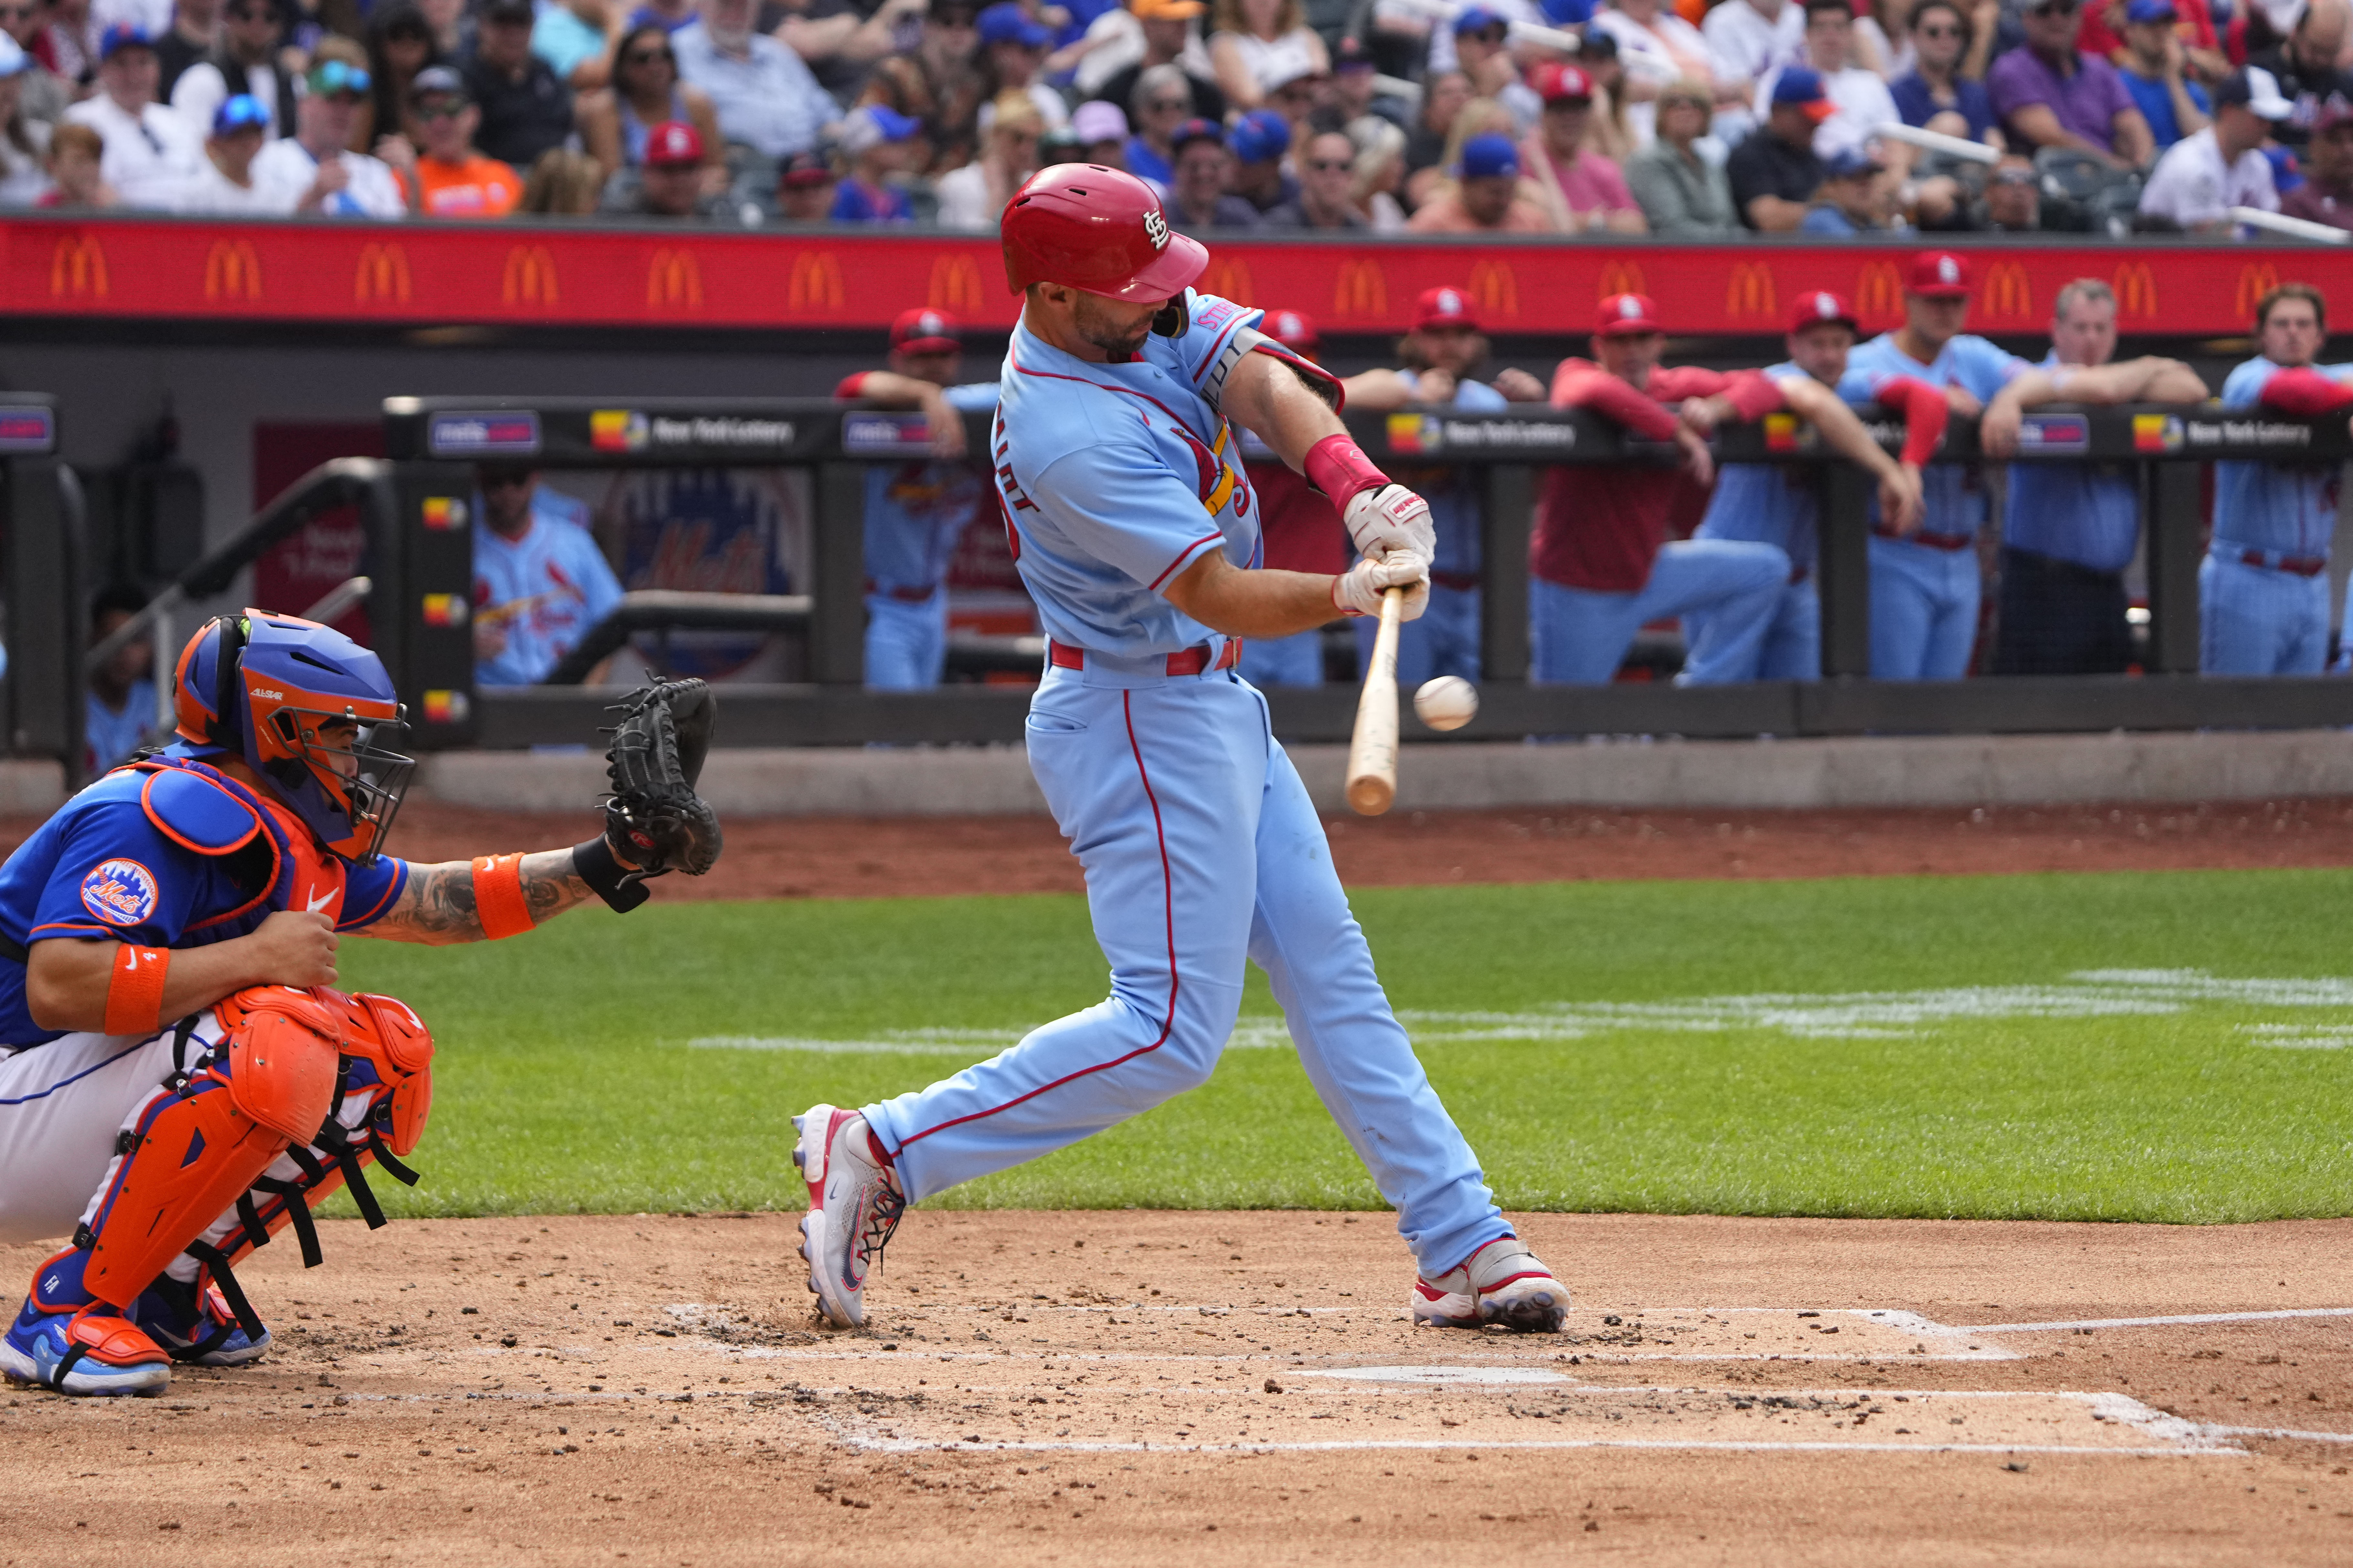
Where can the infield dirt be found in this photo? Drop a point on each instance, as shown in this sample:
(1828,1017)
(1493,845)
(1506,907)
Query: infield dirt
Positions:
(1154,1388)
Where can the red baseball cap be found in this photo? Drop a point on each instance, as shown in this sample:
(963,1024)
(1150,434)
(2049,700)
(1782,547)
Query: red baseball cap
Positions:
(1444,308)
(1293,329)
(1816,306)
(671,143)
(1937,275)
(1626,315)
(1556,83)
(926,331)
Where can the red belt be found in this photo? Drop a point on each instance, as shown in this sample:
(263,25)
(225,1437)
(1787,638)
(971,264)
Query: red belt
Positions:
(904,596)
(2302,565)
(1185,661)
(1933,541)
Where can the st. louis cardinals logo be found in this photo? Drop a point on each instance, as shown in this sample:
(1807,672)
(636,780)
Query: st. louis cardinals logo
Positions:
(120,892)
(1155,228)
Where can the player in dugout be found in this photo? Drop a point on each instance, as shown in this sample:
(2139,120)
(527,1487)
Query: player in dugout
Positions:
(541,581)
(1780,503)
(917,511)
(2262,589)
(2069,529)
(1601,563)
(178,1078)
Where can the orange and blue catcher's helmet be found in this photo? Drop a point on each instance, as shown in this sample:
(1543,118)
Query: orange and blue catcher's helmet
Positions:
(263,687)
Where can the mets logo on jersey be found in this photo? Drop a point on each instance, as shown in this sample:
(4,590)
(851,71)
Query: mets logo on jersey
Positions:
(120,892)
(1155,228)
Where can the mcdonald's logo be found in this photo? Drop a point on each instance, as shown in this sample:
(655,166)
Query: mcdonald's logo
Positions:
(1878,294)
(1750,296)
(673,281)
(1361,289)
(2256,279)
(529,277)
(816,282)
(1496,288)
(382,274)
(1620,278)
(232,271)
(77,268)
(1228,278)
(955,286)
(2136,289)
(2006,295)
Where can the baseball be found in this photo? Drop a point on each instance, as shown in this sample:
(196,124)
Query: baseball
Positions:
(1448,702)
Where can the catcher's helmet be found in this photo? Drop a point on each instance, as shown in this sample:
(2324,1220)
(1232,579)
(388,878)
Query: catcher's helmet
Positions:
(262,687)
(1097,229)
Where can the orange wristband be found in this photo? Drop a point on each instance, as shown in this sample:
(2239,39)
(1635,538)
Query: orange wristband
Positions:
(498,896)
(134,990)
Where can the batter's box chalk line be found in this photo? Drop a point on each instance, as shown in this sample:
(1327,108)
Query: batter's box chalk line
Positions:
(1857,1015)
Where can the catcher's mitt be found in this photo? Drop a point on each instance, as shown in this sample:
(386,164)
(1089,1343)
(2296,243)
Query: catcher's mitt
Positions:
(654,819)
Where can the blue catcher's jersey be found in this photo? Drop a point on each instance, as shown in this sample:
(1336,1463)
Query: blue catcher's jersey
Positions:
(171,853)
(1954,492)
(917,512)
(1767,503)
(1117,477)
(2288,507)
(2085,513)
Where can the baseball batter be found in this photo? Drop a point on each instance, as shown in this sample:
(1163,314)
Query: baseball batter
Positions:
(1137,535)
(178,1078)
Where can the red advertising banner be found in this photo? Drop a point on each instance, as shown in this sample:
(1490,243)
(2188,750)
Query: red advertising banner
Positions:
(153,269)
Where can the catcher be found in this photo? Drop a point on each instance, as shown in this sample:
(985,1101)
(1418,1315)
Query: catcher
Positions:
(179,1079)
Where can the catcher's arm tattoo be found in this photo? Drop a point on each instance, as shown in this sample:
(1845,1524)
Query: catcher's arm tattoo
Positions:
(436,908)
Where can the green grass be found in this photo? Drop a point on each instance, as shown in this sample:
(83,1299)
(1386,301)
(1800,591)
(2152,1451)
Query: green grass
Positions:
(564,1081)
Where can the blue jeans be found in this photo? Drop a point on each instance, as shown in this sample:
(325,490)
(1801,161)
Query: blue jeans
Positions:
(906,642)
(1924,610)
(1294,661)
(2256,620)
(1444,641)
(1728,588)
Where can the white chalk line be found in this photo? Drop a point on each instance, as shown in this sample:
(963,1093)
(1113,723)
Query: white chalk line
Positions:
(2178,1320)
(912,1446)
(2283,1432)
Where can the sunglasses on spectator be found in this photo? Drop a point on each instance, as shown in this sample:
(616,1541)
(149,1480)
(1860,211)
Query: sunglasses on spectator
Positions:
(250,13)
(1488,34)
(443,108)
(1938,32)
(648,57)
(335,76)
(1330,165)
(1169,105)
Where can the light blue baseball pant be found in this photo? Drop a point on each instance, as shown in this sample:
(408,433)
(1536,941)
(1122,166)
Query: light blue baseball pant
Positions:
(1924,610)
(1732,586)
(1443,641)
(906,642)
(2254,620)
(1201,850)
(1294,661)
(1791,649)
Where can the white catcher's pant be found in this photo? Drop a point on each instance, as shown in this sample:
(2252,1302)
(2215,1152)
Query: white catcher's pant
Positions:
(60,1106)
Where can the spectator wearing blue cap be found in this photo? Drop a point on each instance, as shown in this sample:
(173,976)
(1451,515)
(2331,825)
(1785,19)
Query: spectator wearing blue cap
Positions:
(1012,59)
(226,186)
(1853,199)
(1198,199)
(1775,174)
(1483,52)
(1257,45)
(876,140)
(151,154)
(1486,197)
(1484,21)
(2155,70)
(764,96)
(1859,100)
(24,141)
(1258,141)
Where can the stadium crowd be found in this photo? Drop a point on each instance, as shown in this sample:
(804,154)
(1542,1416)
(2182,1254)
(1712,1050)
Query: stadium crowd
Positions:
(1685,119)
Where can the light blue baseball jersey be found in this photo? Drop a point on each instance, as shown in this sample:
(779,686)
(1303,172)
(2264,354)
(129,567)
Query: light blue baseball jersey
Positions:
(542,591)
(1767,503)
(1954,492)
(2288,507)
(1083,454)
(917,512)
(2087,512)
(1453,493)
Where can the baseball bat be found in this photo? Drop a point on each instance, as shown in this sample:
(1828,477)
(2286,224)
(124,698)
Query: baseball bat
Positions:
(1372,751)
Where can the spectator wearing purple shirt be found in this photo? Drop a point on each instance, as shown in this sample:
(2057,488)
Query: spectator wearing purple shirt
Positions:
(2049,94)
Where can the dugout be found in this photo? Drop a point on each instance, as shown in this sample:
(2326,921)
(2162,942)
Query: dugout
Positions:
(42,534)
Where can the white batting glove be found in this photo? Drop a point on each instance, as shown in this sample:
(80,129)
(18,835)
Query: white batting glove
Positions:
(1358,590)
(1388,517)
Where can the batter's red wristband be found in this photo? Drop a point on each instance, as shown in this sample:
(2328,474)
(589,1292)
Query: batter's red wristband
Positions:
(498,896)
(1338,466)
(134,990)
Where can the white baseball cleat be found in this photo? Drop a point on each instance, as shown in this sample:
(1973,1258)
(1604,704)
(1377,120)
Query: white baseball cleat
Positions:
(854,1206)
(1503,1283)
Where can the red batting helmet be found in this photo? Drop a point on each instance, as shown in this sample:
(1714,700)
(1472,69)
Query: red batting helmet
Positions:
(1099,230)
